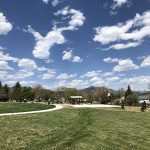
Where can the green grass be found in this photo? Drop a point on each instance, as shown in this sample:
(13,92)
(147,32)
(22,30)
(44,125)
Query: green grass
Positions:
(76,129)
(22,107)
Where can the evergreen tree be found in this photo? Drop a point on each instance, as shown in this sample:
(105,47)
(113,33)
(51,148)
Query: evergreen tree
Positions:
(17,93)
(1,85)
(6,89)
(128,92)
(27,94)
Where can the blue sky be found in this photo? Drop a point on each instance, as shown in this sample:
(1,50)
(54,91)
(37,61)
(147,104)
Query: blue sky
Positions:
(75,43)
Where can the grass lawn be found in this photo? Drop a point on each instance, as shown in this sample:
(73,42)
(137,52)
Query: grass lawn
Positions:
(76,129)
(22,107)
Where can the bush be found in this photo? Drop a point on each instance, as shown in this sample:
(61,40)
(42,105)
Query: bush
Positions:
(132,100)
(117,102)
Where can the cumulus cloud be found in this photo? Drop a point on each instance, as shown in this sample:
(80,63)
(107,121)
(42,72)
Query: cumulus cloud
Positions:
(111,60)
(5,25)
(65,76)
(135,29)
(3,75)
(123,46)
(90,74)
(77,83)
(27,64)
(55,36)
(68,55)
(124,65)
(22,74)
(4,65)
(117,4)
(43,68)
(113,79)
(146,62)
(49,74)
(136,80)
(77,18)
(7,57)
(44,44)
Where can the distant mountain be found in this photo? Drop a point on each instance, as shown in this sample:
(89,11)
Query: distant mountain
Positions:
(89,89)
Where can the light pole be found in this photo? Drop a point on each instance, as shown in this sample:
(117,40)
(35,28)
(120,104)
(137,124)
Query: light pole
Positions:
(109,96)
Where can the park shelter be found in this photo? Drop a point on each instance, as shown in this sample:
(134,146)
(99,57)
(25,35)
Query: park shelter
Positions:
(76,99)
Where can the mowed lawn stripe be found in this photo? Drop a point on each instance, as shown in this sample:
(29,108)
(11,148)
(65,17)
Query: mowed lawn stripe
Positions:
(76,129)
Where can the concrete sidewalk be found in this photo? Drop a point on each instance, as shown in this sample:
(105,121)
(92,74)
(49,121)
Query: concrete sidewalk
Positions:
(94,106)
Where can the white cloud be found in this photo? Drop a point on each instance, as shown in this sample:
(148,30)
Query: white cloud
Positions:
(97,81)
(123,46)
(136,80)
(48,61)
(2,48)
(77,18)
(23,83)
(65,76)
(111,60)
(124,65)
(79,83)
(77,59)
(68,55)
(28,83)
(3,75)
(49,74)
(5,25)
(90,74)
(135,29)
(4,66)
(27,64)
(53,2)
(46,1)
(113,79)
(56,2)
(22,74)
(146,62)
(117,4)
(44,44)
(7,57)
(106,74)
(43,68)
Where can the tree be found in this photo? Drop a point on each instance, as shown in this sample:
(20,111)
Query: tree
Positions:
(102,95)
(70,92)
(17,92)
(120,93)
(132,99)
(90,98)
(28,94)
(1,85)
(6,90)
(38,90)
(128,92)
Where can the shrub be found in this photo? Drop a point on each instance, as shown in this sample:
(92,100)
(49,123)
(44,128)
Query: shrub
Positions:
(132,100)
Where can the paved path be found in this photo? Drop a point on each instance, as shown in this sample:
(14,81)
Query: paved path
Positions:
(59,106)
(94,106)
(33,112)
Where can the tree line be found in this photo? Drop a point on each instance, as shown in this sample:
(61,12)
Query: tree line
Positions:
(100,95)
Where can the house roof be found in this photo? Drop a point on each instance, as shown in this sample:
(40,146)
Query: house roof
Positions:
(144,97)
